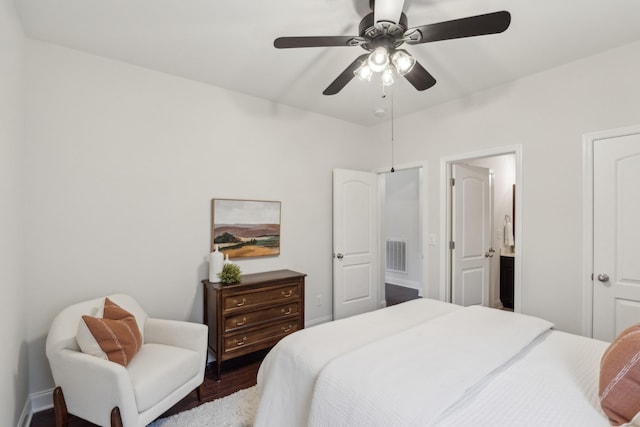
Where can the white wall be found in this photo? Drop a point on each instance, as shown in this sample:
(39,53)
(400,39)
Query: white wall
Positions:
(547,114)
(402,221)
(14,371)
(122,164)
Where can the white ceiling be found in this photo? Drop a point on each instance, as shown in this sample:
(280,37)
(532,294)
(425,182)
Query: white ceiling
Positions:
(230,44)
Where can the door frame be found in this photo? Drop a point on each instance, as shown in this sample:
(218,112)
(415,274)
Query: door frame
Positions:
(445,214)
(424,225)
(588,141)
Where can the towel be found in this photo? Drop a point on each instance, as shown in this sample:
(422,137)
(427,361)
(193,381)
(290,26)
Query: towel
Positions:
(508,232)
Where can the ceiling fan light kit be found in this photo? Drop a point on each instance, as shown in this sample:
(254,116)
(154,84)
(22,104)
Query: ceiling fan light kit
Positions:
(390,65)
(382,35)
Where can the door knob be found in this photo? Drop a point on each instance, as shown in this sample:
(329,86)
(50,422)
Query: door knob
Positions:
(603,277)
(339,256)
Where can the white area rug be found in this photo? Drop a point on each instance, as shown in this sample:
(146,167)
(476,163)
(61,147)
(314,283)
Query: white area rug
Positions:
(236,410)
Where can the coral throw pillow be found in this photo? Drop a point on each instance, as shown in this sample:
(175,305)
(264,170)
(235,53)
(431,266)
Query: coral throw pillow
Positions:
(620,377)
(115,336)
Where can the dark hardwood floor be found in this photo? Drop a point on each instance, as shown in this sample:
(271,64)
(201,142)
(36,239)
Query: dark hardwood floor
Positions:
(396,294)
(237,374)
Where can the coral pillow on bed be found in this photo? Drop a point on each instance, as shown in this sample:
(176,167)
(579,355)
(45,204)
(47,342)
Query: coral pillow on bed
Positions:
(620,377)
(115,336)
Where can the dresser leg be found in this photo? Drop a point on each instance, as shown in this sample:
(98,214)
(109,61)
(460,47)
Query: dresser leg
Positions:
(218,369)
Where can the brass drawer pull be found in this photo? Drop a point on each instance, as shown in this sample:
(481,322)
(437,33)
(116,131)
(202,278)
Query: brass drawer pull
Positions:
(288,311)
(241,322)
(287,294)
(287,329)
(239,343)
(241,303)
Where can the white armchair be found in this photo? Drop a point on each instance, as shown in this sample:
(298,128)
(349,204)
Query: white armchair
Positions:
(169,365)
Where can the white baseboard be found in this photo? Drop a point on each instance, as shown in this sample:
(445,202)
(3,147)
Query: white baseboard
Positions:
(318,321)
(41,400)
(36,402)
(25,417)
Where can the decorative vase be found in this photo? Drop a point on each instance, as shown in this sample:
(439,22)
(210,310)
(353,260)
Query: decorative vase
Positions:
(216,262)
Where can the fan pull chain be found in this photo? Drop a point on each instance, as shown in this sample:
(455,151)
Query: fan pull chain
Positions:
(392,161)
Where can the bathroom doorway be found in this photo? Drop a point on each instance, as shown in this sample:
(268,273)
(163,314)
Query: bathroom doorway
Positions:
(501,254)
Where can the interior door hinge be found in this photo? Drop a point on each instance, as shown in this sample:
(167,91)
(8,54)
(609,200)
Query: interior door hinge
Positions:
(452,245)
(452,182)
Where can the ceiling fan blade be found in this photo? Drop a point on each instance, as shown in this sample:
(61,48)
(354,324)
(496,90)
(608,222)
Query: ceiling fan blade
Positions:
(344,77)
(289,42)
(387,10)
(490,23)
(420,78)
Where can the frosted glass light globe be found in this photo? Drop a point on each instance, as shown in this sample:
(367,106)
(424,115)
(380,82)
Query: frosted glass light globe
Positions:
(403,61)
(379,59)
(364,72)
(388,76)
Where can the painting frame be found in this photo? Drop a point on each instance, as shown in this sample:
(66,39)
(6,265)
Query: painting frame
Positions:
(246,228)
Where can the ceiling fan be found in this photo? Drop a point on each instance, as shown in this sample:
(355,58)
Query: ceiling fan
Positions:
(383,31)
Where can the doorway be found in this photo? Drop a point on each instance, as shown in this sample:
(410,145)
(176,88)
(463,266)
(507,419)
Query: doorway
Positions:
(359,246)
(505,167)
(402,235)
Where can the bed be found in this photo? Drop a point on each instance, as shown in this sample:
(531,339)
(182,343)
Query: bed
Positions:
(424,363)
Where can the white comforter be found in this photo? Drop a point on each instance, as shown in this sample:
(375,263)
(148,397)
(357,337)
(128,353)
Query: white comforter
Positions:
(288,374)
(553,384)
(430,363)
(411,378)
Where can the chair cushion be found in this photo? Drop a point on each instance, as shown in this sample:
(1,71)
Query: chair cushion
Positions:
(158,370)
(115,336)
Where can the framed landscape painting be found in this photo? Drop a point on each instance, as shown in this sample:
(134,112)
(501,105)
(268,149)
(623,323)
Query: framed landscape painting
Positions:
(245,228)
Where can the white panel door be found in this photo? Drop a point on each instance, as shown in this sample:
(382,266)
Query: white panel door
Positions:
(355,242)
(471,234)
(616,235)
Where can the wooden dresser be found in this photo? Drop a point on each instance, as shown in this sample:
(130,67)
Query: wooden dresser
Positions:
(254,314)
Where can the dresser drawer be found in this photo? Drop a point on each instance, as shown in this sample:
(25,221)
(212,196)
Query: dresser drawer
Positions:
(252,318)
(243,342)
(249,299)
